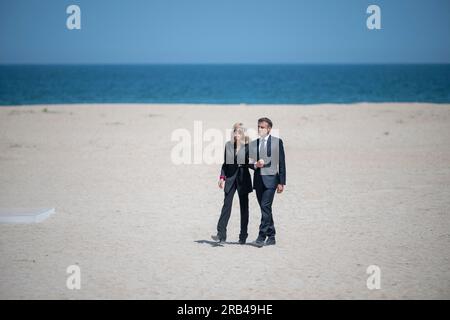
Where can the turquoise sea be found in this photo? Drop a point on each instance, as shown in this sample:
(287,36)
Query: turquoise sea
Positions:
(224,83)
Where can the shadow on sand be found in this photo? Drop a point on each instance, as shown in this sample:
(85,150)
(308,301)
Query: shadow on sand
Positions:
(217,244)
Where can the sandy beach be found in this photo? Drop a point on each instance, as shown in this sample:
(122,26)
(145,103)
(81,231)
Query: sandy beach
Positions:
(367,184)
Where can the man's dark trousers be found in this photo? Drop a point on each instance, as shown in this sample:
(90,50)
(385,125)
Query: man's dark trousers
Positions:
(265,199)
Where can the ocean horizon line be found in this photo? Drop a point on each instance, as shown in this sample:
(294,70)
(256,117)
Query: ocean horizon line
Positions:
(223,63)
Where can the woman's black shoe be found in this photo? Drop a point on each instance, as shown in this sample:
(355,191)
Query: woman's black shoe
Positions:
(216,238)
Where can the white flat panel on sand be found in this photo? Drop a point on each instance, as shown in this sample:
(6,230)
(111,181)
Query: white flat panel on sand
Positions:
(24,215)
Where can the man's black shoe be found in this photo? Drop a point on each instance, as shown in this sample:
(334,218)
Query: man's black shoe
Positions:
(258,243)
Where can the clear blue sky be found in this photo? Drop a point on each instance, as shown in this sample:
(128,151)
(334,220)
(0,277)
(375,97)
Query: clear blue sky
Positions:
(224,31)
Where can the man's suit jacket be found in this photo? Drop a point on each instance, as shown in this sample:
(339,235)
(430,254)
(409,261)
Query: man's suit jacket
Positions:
(274,170)
(235,166)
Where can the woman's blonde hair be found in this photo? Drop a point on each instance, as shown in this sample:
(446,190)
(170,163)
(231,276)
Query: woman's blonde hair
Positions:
(239,126)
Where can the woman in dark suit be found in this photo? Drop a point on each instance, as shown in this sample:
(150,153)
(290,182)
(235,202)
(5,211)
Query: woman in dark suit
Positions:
(235,176)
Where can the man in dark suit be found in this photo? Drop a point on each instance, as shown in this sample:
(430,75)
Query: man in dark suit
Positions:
(269,176)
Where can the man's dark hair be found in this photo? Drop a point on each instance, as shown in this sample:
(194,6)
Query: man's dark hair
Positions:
(266,120)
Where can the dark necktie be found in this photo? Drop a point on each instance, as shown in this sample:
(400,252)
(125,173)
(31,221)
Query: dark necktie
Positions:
(263,150)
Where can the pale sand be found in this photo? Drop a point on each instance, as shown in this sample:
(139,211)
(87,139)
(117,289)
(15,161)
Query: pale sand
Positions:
(367,184)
